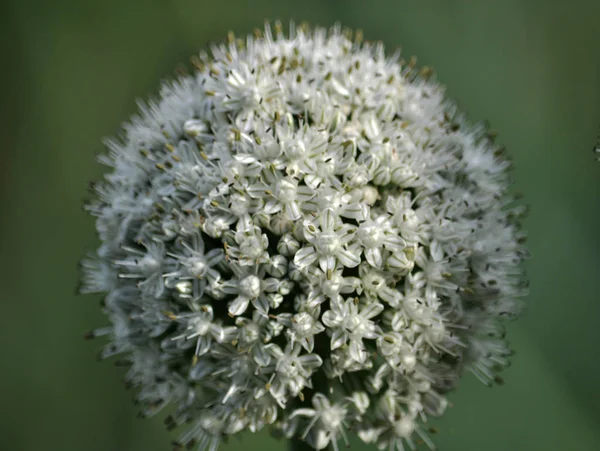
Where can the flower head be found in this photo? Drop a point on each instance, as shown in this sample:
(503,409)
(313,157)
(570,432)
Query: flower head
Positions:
(305,235)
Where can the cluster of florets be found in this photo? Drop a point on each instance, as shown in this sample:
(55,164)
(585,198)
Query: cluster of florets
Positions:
(304,235)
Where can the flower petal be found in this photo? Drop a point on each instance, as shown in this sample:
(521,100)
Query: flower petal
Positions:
(348,258)
(327,264)
(338,338)
(311,361)
(374,257)
(331,319)
(327,219)
(305,256)
(239,305)
(371,310)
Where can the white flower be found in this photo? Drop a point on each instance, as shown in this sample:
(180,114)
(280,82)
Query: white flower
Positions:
(302,328)
(321,286)
(195,267)
(292,371)
(287,197)
(327,420)
(329,237)
(376,233)
(146,267)
(250,286)
(200,326)
(347,323)
(304,216)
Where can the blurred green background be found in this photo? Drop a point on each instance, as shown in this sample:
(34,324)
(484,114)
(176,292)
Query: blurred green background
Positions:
(72,71)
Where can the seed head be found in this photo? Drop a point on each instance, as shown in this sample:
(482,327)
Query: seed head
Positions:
(304,235)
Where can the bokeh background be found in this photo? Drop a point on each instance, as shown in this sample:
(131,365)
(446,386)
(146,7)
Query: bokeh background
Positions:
(71,72)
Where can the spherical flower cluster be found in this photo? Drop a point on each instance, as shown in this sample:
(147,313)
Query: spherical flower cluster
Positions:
(304,235)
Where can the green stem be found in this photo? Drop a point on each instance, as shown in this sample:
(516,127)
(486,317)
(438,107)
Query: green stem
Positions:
(299,445)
